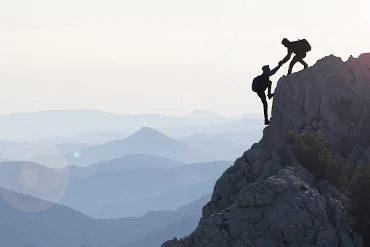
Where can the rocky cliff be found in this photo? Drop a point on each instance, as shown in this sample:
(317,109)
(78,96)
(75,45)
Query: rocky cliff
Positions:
(267,198)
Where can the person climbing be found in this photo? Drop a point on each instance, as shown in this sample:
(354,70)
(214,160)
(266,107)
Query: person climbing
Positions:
(299,48)
(261,83)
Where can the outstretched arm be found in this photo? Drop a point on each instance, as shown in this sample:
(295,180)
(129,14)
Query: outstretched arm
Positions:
(272,72)
(287,57)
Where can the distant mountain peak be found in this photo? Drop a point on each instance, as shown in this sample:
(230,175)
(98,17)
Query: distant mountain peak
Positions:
(146,133)
(147,130)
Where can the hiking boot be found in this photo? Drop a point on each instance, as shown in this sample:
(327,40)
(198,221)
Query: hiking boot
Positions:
(270,96)
(267,122)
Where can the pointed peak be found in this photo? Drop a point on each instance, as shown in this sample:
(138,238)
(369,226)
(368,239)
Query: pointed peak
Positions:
(147,131)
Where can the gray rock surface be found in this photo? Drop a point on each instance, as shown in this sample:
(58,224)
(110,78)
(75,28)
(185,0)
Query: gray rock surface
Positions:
(332,94)
(266,198)
(366,157)
(356,154)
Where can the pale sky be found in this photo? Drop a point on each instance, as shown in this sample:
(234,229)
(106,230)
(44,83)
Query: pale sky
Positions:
(162,56)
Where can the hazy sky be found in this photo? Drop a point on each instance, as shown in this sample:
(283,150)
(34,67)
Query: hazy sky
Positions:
(162,56)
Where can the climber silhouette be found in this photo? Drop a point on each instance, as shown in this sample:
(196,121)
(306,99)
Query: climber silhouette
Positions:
(261,83)
(299,48)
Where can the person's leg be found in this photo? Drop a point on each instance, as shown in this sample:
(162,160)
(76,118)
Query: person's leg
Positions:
(292,63)
(300,59)
(262,95)
(269,94)
(305,65)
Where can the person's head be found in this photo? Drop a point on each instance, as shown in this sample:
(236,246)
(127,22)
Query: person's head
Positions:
(266,68)
(285,42)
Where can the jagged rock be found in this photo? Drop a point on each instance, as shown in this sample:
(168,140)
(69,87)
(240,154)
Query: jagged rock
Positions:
(330,192)
(169,243)
(356,154)
(333,91)
(335,213)
(267,198)
(260,194)
(271,212)
(255,145)
(251,155)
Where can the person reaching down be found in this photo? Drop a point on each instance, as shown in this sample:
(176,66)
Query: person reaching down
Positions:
(299,48)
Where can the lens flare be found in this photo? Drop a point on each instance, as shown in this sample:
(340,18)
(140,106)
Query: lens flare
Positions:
(45,178)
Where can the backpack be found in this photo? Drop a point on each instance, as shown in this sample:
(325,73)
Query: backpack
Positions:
(304,45)
(255,83)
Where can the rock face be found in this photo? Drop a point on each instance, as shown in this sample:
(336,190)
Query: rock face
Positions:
(332,96)
(260,201)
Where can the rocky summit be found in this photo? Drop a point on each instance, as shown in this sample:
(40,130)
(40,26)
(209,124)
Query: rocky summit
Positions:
(268,198)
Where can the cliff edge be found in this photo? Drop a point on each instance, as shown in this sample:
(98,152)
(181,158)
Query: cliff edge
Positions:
(268,198)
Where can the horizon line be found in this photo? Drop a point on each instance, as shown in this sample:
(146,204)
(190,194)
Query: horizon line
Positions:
(128,114)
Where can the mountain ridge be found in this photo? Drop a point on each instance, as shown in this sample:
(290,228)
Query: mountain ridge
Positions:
(75,229)
(146,140)
(125,163)
(85,191)
(167,201)
(69,123)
